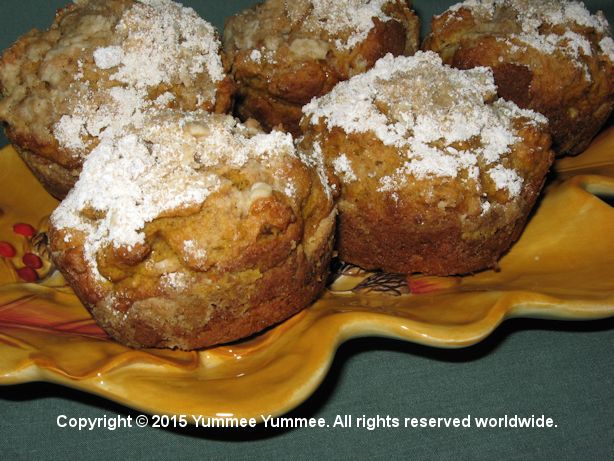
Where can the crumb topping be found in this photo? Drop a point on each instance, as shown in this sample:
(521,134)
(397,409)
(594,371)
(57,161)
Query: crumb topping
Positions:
(310,26)
(340,16)
(533,13)
(170,163)
(162,43)
(549,26)
(165,41)
(441,119)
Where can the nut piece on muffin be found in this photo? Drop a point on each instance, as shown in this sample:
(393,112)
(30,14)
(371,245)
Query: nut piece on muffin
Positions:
(283,53)
(194,230)
(437,175)
(550,56)
(100,67)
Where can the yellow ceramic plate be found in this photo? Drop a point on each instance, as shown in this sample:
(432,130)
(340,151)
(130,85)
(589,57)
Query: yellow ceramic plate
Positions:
(562,267)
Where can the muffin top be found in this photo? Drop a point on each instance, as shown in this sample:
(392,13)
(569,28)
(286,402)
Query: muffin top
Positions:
(550,26)
(443,122)
(309,27)
(100,66)
(168,167)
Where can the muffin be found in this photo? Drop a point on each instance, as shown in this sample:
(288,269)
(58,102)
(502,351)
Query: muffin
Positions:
(437,175)
(194,230)
(550,56)
(101,66)
(283,53)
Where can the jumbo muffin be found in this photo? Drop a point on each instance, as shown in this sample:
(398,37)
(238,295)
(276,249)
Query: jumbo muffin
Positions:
(285,53)
(437,174)
(99,67)
(194,230)
(550,56)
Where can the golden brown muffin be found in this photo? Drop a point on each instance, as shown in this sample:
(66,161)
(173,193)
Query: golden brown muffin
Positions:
(437,175)
(99,67)
(285,53)
(194,230)
(550,56)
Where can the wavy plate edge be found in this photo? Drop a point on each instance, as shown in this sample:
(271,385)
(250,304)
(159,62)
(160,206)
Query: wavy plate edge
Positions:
(343,326)
(350,325)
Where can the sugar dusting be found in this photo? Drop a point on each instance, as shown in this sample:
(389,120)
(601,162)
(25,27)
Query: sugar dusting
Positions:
(343,167)
(607,47)
(335,17)
(256,56)
(108,57)
(438,117)
(549,26)
(167,164)
(175,281)
(163,43)
(191,248)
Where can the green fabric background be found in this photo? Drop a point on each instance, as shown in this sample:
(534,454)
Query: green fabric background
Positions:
(561,369)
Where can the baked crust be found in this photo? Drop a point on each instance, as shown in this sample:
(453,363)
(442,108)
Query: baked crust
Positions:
(234,308)
(55,178)
(52,76)
(280,64)
(410,233)
(252,252)
(571,83)
(400,220)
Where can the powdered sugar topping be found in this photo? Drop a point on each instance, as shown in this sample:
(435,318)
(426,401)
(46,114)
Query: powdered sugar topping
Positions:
(165,42)
(167,164)
(549,26)
(107,57)
(343,167)
(352,17)
(175,281)
(161,43)
(607,48)
(439,118)
(504,178)
(255,56)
